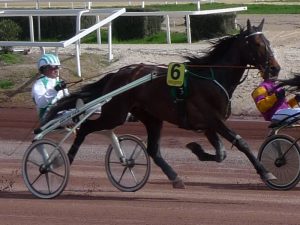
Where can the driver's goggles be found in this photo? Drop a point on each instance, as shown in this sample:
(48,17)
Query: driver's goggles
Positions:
(53,67)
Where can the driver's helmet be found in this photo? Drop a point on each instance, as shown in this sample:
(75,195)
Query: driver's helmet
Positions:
(48,60)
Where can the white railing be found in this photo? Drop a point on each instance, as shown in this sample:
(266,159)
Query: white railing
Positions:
(187,15)
(89,3)
(113,13)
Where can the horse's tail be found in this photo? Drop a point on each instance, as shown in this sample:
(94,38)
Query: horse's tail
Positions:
(292,82)
(87,93)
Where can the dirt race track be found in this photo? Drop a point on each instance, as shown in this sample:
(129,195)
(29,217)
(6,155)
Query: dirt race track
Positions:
(226,193)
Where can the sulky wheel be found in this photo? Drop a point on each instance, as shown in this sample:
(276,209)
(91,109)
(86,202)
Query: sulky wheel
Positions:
(45,169)
(132,173)
(280,155)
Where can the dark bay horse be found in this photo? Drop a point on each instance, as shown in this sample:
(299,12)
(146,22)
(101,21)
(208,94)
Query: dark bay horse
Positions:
(204,106)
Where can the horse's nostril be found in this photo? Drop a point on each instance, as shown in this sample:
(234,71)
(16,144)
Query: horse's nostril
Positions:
(275,68)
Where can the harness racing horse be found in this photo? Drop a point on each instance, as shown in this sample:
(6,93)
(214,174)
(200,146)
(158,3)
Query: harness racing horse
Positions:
(210,81)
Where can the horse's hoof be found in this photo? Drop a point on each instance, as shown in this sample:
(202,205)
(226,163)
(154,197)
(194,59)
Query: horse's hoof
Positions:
(268,176)
(178,183)
(221,157)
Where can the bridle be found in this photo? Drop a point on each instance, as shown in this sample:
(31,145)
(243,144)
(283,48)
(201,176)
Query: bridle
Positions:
(269,53)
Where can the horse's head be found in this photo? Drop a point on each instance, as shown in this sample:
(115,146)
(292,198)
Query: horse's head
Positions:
(257,51)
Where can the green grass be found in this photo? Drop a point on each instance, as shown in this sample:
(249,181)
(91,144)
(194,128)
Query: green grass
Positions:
(159,38)
(10,58)
(252,8)
(273,9)
(6,84)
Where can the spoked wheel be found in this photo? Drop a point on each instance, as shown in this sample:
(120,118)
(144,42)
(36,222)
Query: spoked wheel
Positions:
(280,155)
(132,173)
(45,169)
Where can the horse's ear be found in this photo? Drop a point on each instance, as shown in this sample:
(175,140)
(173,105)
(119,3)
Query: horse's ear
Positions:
(240,27)
(260,27)
(248,25)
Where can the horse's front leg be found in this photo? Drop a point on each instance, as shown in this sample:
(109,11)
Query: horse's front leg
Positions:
(242,145)
(154,127)
(215,142)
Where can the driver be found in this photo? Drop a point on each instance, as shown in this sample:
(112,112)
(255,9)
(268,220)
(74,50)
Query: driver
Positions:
(48,88)
(271,101)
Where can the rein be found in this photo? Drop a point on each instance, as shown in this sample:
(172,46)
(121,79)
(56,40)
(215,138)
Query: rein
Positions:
(227,67)
(223,66)
(72,83)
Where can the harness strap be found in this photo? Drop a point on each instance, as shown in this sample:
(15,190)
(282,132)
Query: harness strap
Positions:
(179,95)
(212,78)
(255,33)
(218,84)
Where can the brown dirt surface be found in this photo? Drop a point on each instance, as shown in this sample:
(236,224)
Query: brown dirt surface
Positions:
(216,193)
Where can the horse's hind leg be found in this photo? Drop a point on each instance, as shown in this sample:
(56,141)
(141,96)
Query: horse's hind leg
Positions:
(215,142)
(109,119)
(85,129)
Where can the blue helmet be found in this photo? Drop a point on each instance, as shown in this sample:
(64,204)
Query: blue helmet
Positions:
(48,60)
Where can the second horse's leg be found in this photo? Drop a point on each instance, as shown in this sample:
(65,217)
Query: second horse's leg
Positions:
(215,142)
(242,146)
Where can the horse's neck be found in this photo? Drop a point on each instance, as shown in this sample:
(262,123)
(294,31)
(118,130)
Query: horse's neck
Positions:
(229,78)
(231,71)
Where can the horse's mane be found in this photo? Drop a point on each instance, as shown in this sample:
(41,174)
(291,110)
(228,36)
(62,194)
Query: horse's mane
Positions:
(216,51)
(292,82)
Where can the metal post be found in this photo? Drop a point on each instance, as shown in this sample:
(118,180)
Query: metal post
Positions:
(89,5)
(43,51)
(77,44)
(168,29)
(38,21)
(188,29)
(198,6)
(78,59)
(31,28)
(110,55)
(98,32)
